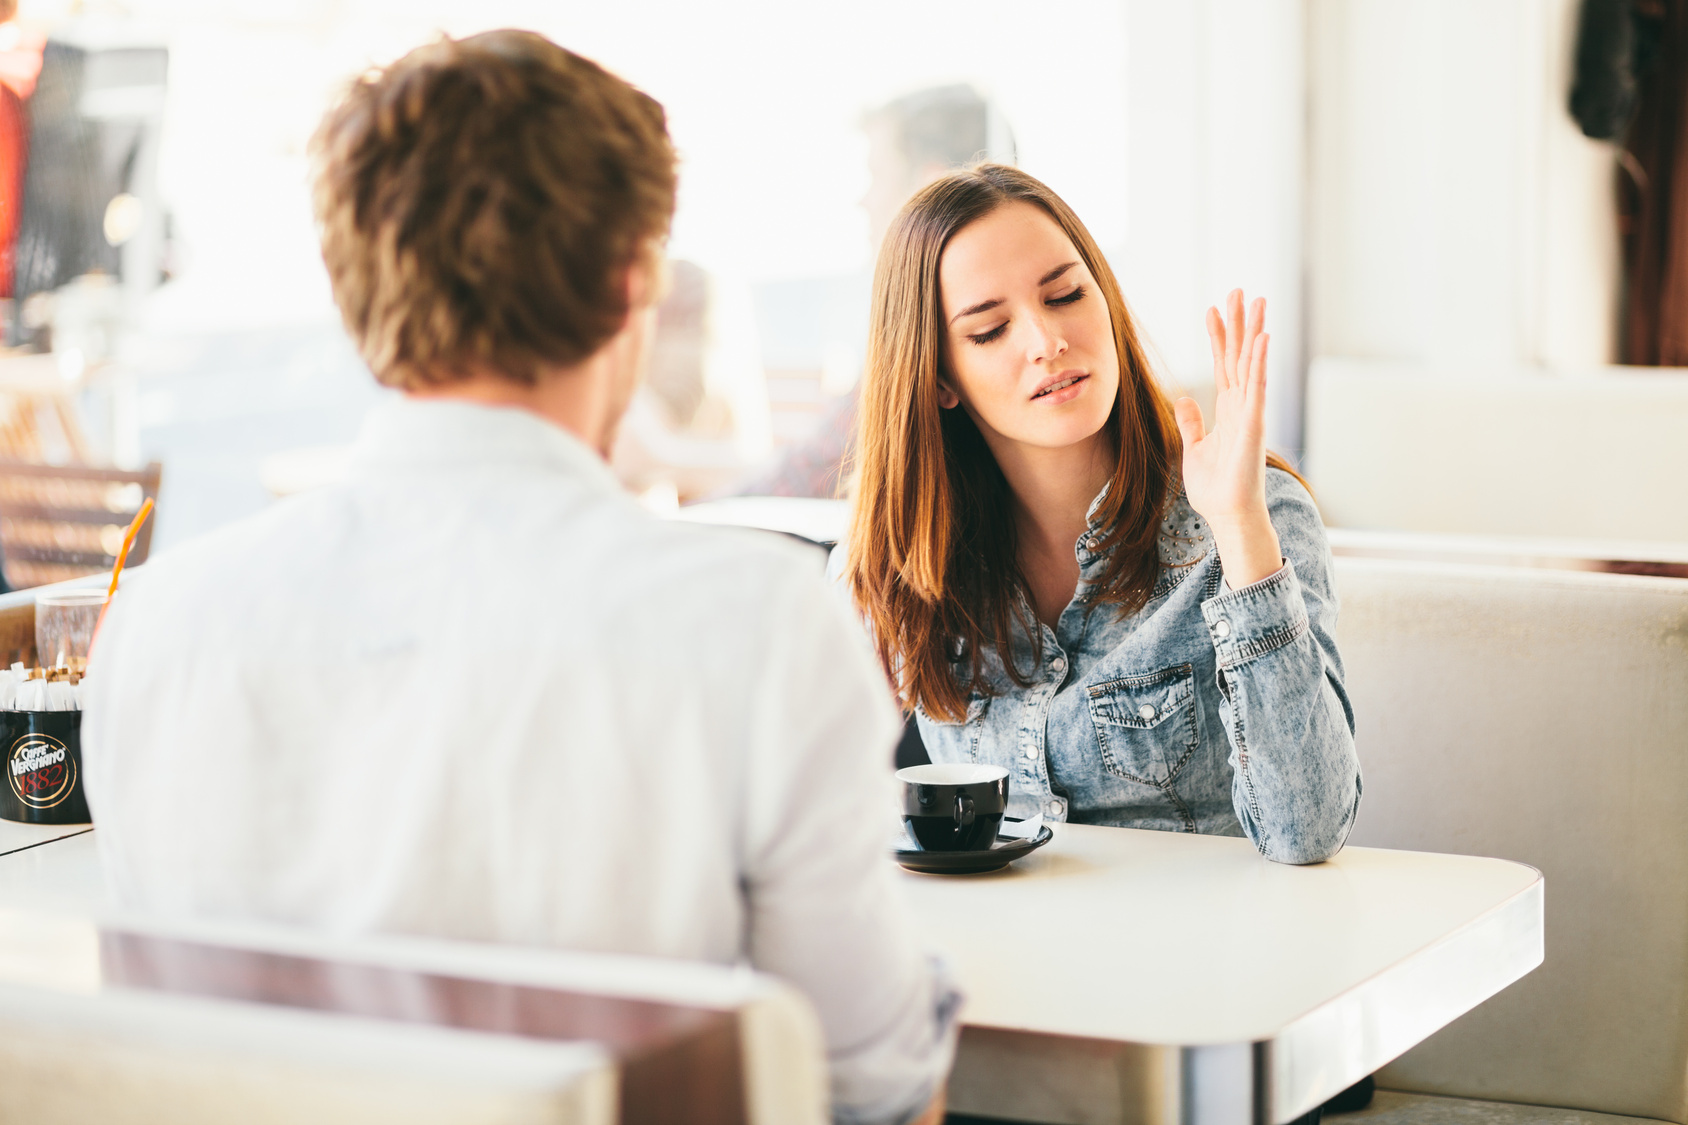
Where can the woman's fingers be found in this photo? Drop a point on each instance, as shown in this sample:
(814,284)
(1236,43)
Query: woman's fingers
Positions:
(1237,338)
(1251,332)
(1234,332)
(1216,340)
(1255,388)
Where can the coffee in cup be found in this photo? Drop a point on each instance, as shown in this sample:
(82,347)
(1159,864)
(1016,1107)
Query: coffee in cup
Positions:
(954,808)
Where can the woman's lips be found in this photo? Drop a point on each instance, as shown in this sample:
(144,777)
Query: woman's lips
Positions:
(1062,390)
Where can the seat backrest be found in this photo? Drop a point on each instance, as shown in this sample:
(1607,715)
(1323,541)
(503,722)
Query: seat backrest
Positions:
(133,1023)
(59,522)
(141,1059)
(1539,716)
(1484,453)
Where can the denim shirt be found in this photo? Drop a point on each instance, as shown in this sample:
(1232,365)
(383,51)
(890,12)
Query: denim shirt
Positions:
(1208,710)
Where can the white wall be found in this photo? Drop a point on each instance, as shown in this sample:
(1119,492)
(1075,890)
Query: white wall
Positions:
(1457,217)
(1215,190)
(764,99)
(1400,180)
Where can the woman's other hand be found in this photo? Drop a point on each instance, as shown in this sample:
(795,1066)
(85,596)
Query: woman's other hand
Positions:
(1225,470)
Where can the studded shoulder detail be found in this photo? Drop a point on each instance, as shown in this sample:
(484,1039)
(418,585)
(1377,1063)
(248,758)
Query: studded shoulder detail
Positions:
(1184,536)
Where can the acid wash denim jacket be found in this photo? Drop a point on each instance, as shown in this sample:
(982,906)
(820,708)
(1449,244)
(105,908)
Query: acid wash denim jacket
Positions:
(1208,710)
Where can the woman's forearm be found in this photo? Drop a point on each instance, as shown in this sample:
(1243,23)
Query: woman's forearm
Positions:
(1296,786)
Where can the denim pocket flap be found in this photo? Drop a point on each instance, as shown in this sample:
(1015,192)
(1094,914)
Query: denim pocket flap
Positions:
(1144,701)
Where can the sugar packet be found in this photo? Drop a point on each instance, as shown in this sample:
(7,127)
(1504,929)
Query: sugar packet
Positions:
(60,695)
(32,696)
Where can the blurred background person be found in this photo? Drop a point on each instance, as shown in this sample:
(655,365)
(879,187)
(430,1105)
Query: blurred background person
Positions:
(911,142)
(86,216)
(20,65)
(700,420)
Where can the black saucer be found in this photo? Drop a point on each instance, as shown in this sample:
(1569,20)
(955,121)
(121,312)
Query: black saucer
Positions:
(971,863)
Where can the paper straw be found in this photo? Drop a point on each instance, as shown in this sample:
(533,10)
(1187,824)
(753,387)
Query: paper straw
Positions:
(128,541)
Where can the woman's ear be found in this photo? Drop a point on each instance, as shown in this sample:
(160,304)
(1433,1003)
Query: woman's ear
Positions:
(948,397)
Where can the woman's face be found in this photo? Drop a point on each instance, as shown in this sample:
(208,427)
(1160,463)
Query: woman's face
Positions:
(1029,346)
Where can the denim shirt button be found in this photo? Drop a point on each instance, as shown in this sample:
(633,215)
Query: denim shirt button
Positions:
(1222,628)
(1054,808)
(1059,664)
(1031,752)
(1146,712)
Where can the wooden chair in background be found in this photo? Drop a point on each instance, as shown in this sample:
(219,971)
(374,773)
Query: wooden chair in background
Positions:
(59,522)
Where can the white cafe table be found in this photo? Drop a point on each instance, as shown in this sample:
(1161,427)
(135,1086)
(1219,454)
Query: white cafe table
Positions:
(1130,976)
(16,837)
(1134,977)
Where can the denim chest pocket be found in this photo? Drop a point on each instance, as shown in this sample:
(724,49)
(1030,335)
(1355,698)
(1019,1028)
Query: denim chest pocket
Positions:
(1146,725)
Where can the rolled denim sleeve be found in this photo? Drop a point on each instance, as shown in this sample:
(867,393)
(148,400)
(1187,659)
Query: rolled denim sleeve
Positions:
(1296,778)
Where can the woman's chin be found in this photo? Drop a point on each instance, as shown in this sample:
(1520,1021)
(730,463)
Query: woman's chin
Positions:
(1077,432)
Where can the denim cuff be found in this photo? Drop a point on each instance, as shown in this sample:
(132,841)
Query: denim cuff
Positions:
(1257,619)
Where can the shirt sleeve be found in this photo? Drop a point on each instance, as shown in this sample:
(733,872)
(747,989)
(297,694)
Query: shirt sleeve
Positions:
(825,907)
(1296,784)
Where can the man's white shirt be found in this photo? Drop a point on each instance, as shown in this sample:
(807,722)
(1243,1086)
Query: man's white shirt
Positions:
(476,692)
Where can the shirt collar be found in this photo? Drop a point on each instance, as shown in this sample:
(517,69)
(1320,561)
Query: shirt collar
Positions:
(413,433)
(1092,520)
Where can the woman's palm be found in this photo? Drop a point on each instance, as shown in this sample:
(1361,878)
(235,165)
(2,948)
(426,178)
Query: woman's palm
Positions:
(1225,469)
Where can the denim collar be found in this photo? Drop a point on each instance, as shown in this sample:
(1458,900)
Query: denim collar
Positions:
(1184,539)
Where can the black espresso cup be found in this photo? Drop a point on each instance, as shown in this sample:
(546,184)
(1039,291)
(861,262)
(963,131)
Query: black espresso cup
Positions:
(954,808)
(42,752)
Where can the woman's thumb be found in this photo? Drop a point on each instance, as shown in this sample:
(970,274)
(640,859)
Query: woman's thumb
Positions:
(1189,421)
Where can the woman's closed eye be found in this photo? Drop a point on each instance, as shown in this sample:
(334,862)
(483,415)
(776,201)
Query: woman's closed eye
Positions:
(1072,296)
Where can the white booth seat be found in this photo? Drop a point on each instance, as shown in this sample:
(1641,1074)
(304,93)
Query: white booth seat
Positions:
(1538,716)
(126,1024)
(1476,452)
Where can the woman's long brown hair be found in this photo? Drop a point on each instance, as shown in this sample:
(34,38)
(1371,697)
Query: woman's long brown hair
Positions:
(934,549)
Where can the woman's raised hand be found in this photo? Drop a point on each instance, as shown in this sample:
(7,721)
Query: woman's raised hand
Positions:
(1225,470)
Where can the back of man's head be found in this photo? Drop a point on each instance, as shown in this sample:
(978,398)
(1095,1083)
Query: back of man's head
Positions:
(481,202)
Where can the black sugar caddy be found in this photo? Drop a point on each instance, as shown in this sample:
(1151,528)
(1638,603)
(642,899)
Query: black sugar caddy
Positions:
(43,760)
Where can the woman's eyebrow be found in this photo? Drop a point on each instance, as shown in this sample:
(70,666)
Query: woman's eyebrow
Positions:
(984,306)
(978,308)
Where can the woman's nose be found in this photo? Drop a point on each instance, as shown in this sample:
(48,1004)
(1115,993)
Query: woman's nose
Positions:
(1044,342)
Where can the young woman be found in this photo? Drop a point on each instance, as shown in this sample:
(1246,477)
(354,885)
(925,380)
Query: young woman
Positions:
(1069,578)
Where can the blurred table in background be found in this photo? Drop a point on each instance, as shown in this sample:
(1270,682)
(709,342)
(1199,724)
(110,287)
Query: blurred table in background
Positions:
(822,522)
(1663,560)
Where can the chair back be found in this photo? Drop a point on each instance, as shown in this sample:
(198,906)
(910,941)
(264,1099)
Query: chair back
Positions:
(138,1059)
(133,1025)
(59,522)
(1539,716)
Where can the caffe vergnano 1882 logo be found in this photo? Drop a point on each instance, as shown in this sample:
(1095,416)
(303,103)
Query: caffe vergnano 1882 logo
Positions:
(41,771)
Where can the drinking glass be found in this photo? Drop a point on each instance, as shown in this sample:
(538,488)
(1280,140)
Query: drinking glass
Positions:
(64,626)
